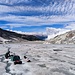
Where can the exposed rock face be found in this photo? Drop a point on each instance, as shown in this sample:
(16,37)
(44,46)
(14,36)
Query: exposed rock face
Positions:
(67,38)
(8,36)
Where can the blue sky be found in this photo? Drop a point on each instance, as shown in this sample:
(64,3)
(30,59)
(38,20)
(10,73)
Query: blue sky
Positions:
(36,28)
(37,15)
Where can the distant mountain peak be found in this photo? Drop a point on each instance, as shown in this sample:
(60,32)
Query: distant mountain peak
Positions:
(66,38)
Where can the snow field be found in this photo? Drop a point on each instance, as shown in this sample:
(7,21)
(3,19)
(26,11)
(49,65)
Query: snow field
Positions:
(44,60)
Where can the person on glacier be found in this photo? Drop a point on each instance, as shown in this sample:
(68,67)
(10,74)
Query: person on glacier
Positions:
(7,55)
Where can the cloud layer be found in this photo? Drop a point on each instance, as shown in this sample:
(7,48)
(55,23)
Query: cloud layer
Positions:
(18,13)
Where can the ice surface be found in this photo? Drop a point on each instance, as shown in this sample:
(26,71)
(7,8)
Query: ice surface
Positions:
(44,59)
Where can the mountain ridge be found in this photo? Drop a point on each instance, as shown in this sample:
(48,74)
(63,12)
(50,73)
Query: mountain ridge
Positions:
(66,38)
(9,36)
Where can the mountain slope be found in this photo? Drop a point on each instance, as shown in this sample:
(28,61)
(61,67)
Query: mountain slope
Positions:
(15,37)
(67,38)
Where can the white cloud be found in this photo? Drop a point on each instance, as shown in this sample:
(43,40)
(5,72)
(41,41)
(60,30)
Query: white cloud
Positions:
(30,33)
(51,14)
(11,2)
(52,32)
(3,26)
(70,26)
(65,7)
(18,21)
(6,9)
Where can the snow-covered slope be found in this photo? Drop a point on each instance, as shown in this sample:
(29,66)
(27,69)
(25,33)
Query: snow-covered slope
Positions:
(44,59)
(2,40)
(66,38)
